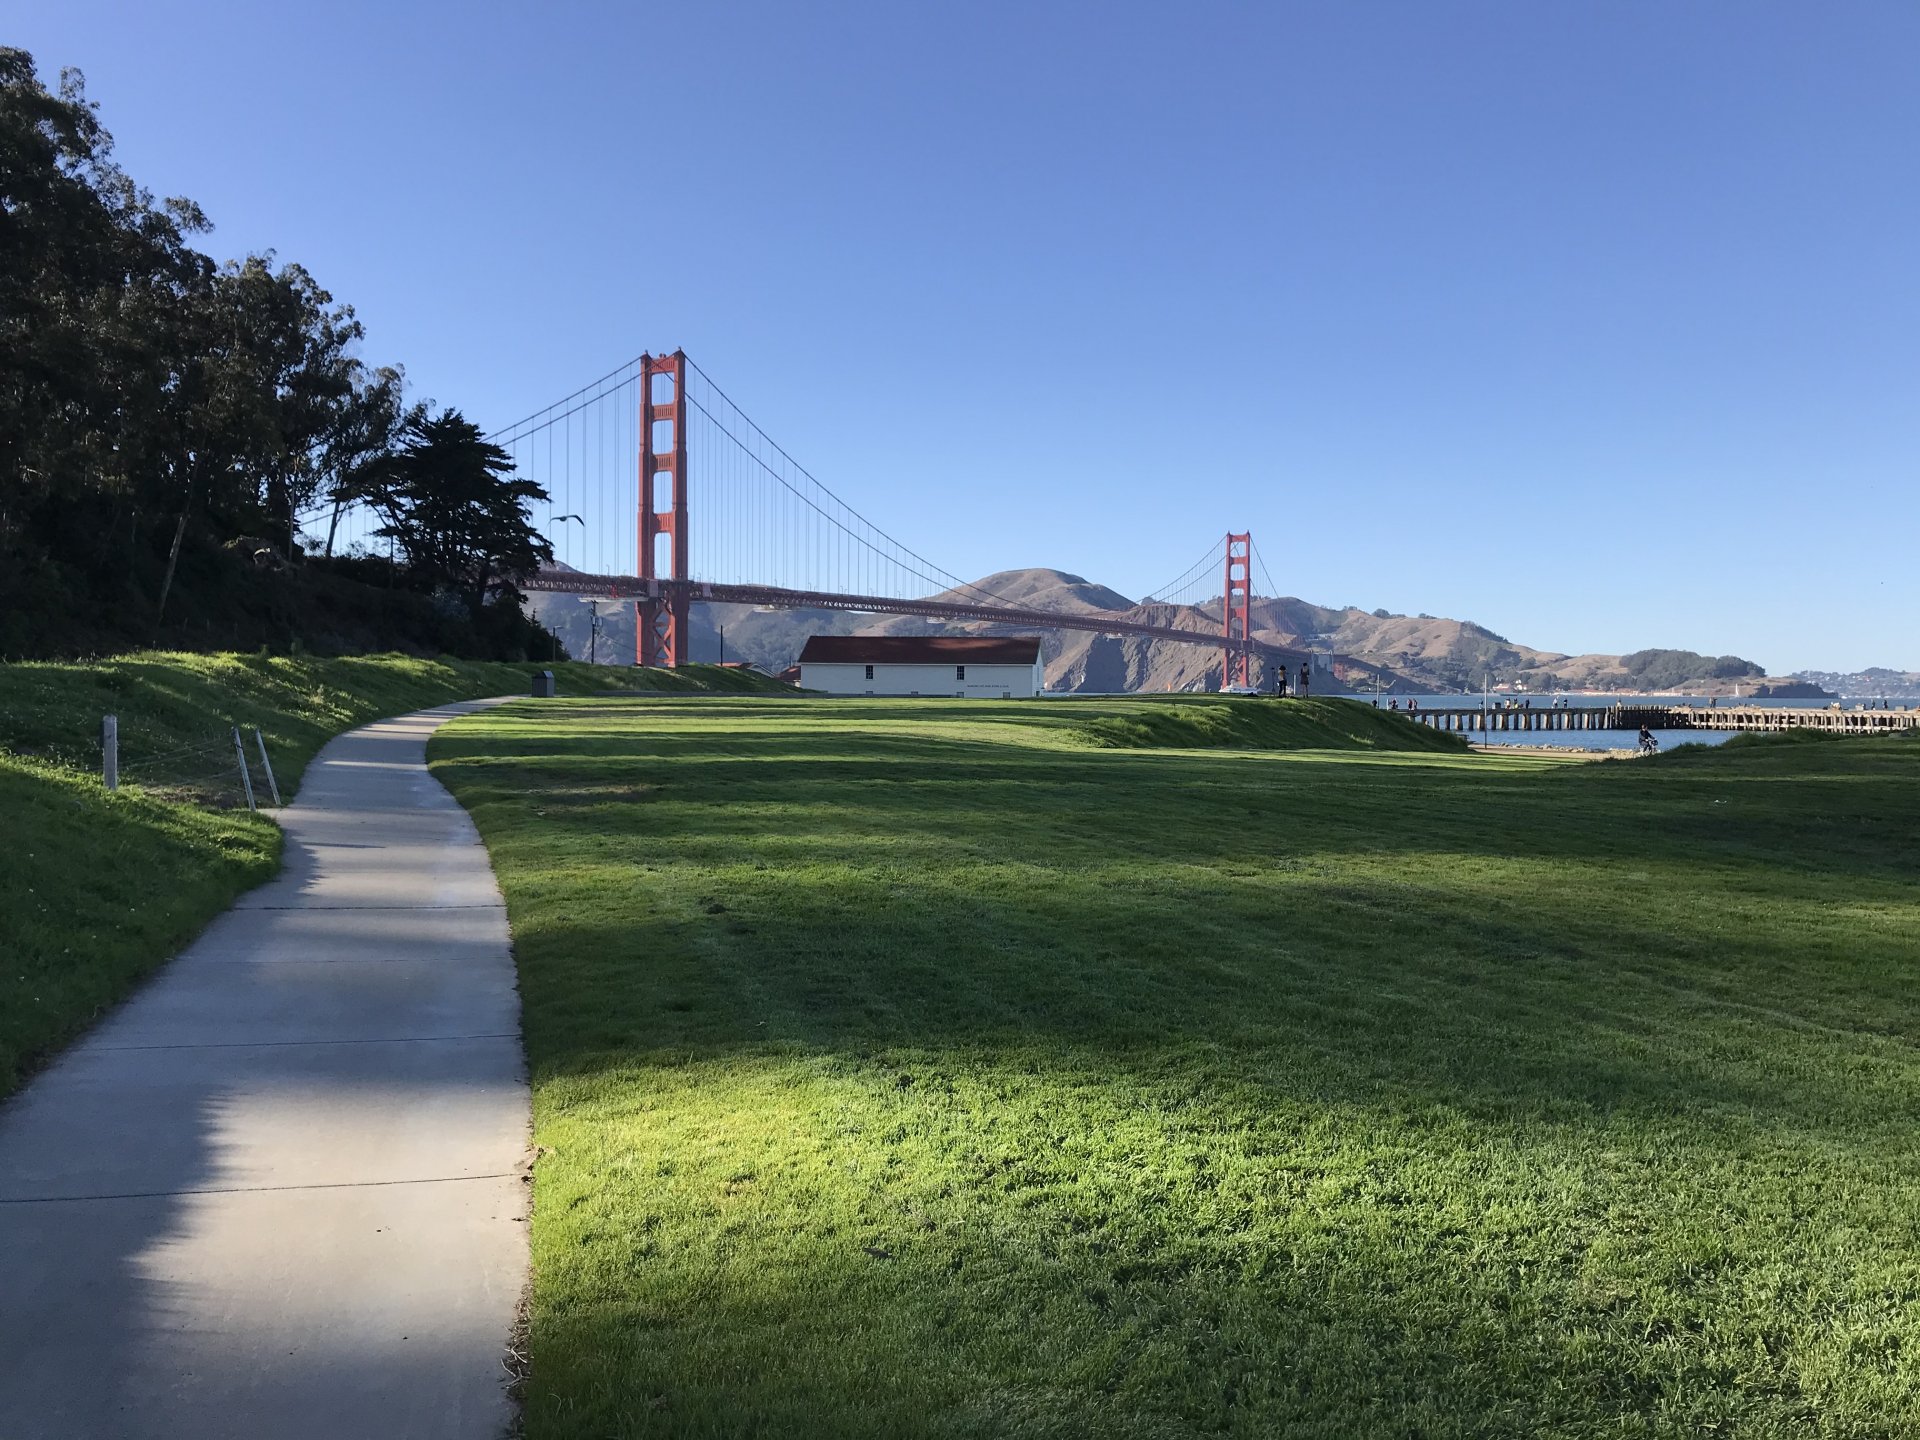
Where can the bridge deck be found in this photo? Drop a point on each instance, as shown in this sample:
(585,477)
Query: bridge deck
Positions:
(628,587)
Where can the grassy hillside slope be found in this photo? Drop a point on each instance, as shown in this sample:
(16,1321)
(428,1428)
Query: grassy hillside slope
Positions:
(920,1070)
(97,889)
(1207,722)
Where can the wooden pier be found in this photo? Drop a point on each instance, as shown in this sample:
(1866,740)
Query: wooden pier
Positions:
(1782,717)
(1763,718)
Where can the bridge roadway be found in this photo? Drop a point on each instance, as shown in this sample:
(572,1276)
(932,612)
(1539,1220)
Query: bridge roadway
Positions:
(1762,718)
(1103,622)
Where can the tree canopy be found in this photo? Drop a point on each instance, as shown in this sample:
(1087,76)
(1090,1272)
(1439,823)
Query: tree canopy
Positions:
(451,503)
(165,419)
(1666,669)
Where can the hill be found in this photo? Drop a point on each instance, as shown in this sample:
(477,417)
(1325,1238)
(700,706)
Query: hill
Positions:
(1080,660)
(1402,652)
(1076,660)
(1876,682)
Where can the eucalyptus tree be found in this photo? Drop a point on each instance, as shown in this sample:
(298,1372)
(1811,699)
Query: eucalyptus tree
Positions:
(95,278)
(157,408)
(369,428)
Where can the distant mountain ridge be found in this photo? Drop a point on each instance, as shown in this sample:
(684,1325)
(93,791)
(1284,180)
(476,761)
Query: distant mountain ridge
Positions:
(1398,652)
(1875,682)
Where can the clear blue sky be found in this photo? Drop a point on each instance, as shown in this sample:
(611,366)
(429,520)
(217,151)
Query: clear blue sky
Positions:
(1598,323)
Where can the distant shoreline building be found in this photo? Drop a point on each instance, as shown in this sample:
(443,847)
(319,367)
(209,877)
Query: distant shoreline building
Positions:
(981,667)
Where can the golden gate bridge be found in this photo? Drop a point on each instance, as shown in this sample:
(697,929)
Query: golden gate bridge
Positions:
(625,459)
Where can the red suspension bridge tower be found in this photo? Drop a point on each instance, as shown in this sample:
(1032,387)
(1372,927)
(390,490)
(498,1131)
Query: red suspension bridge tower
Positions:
(1236,654)
(662,635)
(663,590)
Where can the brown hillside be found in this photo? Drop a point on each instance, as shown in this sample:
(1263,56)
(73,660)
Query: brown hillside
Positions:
(1406,652)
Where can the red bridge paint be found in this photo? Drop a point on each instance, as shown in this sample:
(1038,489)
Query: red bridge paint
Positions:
(1236,653)
(662,634)
(663,592)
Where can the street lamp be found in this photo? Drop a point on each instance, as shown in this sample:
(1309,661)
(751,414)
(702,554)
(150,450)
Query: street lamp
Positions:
(551,522)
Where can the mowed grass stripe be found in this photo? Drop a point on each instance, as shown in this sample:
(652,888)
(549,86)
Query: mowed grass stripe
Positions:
(935,1069)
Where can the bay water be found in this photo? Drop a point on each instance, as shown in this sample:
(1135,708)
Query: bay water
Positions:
(1588,739)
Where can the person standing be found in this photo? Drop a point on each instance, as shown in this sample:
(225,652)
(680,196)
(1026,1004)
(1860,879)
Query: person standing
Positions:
(1303,679)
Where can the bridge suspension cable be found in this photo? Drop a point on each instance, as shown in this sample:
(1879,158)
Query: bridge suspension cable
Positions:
(1265,576)
(1198,584)
(729,516)
(762,516)
(583,449)
(832,546)
(545,416)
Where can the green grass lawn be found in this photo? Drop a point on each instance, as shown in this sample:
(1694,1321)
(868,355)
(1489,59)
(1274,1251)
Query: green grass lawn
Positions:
(936,1069)
(97,889)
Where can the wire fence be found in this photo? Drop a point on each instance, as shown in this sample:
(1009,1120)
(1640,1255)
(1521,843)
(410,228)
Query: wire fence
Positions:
(206,771)
(226,767)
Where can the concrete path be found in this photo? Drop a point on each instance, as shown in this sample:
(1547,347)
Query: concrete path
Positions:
(278,1193)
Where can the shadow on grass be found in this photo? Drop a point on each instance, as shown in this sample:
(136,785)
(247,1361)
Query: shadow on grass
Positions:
(948,785)
(98,890)
(936,889)
(926,1084)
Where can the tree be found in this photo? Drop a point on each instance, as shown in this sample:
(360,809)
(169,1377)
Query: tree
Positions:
(164,421)
(1670,669)
(150,403)
(94,279)
(291,353)
(452,504)
(370,426)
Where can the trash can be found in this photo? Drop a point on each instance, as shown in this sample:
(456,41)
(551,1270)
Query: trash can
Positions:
(543,688)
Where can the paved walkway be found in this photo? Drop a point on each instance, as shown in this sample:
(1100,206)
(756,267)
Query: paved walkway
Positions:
(278,1193)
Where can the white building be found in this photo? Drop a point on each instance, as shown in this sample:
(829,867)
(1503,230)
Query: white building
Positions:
(990,667)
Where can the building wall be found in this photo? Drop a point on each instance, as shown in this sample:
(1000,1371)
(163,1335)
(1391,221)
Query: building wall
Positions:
(987,682)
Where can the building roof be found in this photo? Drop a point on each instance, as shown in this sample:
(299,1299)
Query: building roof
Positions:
(920,650)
